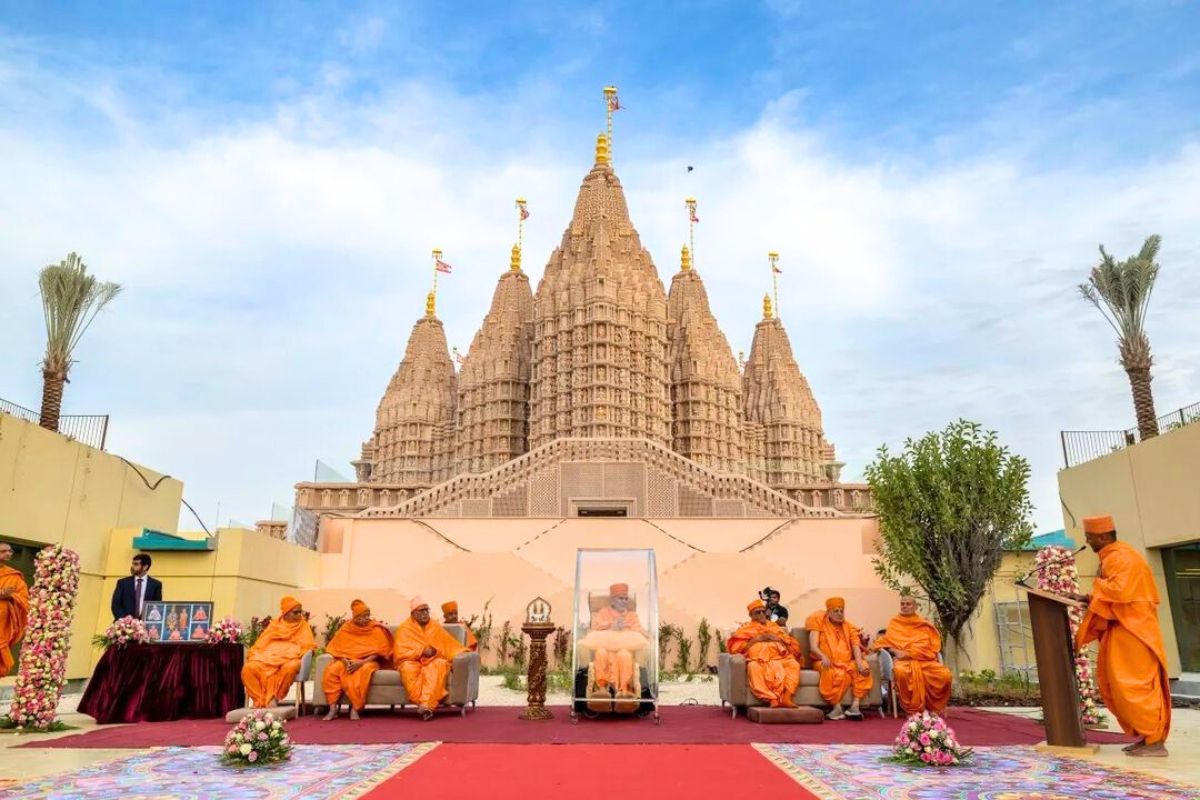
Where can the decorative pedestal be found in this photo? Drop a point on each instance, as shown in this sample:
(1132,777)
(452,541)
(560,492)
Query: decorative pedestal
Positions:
(536,677)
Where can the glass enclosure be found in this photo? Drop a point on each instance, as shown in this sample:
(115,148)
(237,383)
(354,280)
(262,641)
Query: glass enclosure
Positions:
(615,654)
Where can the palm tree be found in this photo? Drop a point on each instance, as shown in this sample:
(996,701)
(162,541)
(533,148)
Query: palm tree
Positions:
(1125,287)
(71,299)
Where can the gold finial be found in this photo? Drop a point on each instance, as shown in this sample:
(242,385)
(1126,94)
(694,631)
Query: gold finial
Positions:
(430,304)
(766,306)
(602,149)
(514,262)
(685,259)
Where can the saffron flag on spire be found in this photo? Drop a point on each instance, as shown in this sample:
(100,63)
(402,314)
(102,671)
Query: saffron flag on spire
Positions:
(524,213)
(775,268)
(614,104)
(442,266)
(692,214)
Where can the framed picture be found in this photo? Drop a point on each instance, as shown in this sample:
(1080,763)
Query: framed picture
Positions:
(177,620)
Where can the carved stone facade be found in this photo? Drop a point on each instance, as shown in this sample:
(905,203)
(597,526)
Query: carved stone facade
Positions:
(598,390)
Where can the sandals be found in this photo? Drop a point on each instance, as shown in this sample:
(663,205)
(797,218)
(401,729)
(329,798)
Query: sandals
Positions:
(855,716)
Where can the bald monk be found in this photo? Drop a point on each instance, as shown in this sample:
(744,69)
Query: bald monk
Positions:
(1131,669)
(274,660)
(614,636)
(922,682)
(359,648)
(771,656)
(14,608)
(450,617)
(837,655)
(422,653)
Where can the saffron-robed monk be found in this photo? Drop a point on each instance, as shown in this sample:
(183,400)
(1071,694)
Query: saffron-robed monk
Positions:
(772,666)
(834,645)
(359,648)
(614,636)
(450,617)
(922,682)
(274,660)
(1131,668)
(422,652)
(14,608)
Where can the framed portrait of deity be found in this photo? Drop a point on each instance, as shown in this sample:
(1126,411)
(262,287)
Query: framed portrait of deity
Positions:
(179,621)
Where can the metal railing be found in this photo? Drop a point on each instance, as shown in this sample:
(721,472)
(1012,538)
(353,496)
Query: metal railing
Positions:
(89,429)
(1080,447)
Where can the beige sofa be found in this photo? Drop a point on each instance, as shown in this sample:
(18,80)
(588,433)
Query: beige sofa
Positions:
(735,689)
(388,690)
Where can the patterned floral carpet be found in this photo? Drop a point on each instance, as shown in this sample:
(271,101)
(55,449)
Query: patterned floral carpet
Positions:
(194,773)
(849,772)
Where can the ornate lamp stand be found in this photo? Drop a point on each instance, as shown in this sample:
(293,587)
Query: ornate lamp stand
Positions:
(538,627)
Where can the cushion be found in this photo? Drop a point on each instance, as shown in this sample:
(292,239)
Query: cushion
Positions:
(804,715)
(386,677)
(282,712)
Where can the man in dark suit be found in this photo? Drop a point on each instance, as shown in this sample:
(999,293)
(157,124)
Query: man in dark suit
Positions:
(132,593)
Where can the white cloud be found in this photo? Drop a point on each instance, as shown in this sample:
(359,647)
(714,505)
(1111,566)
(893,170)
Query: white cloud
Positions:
(274,268)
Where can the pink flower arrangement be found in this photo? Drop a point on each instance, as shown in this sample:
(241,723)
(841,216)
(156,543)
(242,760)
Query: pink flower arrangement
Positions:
(226,630)
(1056,572)
(927,741)
(123,631)
(47,639)
(258,739)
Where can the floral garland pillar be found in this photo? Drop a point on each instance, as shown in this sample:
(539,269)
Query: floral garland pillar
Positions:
(47,639)
(1056,572)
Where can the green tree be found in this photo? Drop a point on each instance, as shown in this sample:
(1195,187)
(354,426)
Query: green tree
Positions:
(71,299)
(1121,291)
(949,506)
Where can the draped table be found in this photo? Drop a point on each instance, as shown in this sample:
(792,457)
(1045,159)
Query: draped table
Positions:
(160,682)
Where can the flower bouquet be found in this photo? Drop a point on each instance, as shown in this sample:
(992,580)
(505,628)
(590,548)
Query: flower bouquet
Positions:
(927,741)
(258,739)
(1056,571)
(122,632)
(226,630)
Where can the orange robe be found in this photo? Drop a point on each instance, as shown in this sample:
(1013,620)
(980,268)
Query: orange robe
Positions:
(1131,669)
(274,660)
(613,648)
(772,668)
(836,642)
(354,641)
(922,682)
(424,677)
(14,615)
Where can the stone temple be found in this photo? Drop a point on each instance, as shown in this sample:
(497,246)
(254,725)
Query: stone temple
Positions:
(602,393)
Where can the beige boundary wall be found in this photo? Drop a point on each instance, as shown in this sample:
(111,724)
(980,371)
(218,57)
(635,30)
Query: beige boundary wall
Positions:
(706,568)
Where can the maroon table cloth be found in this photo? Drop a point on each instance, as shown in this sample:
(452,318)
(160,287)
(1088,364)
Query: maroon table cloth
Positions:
(160,682)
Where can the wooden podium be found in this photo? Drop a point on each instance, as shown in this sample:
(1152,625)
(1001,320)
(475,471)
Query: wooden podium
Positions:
(1054,650)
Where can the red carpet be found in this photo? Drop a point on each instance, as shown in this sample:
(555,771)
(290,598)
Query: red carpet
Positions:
(590,772)
(499,725)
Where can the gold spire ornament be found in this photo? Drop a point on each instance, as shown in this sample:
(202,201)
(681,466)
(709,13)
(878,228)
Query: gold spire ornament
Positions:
(602,149)
(690,204)
(685,259)
(767,306)
(431,304)
(514,261)
(773,257)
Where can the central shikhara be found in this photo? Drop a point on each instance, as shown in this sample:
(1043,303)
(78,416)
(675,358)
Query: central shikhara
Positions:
(600,393)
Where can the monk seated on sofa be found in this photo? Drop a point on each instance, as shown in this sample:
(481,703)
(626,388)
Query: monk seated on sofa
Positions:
(614,636)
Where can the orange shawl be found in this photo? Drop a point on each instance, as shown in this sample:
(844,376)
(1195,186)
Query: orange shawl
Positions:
(606,619)
(411,640)
(360,641)
(915,635)
(763,651)
(282,641)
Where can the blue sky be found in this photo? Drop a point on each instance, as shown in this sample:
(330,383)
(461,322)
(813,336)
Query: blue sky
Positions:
(267,179)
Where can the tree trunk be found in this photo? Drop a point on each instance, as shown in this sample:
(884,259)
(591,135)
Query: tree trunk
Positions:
(52,392)
(1143,402)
